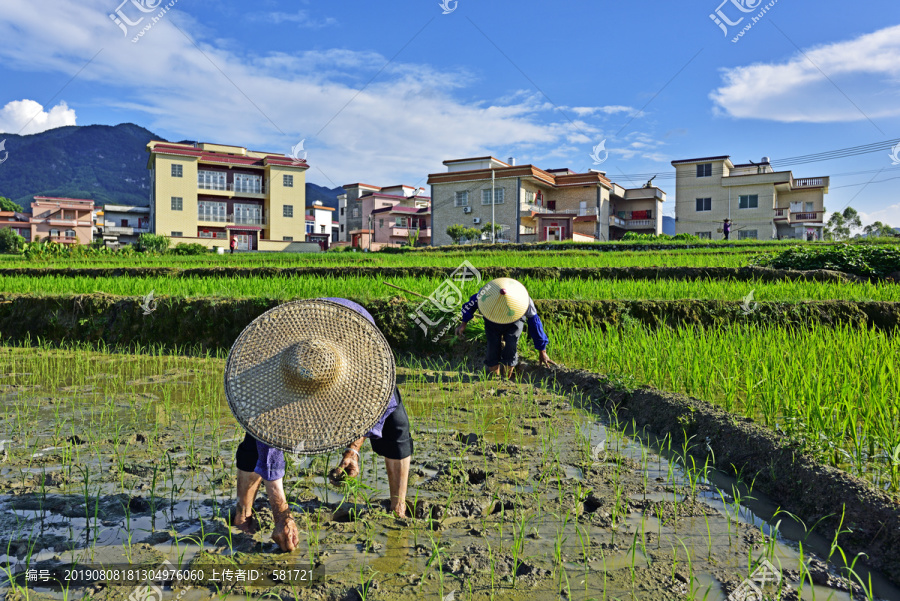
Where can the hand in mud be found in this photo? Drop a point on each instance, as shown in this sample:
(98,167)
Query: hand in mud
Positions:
(545,359)
(285,534)
(461,329)
(348,468)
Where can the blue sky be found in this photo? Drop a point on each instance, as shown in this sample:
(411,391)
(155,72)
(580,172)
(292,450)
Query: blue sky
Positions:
(382,93)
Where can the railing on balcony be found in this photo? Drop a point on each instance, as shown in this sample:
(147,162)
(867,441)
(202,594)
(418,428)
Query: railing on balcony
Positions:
(534,208)
(616,221)
(245,188)
(588,211)
(805,217)
(781,213)
(118,230)
(810,182)
(640,223)
(239,188)
(63,239)
(238,220)
(424,232)
(527,231)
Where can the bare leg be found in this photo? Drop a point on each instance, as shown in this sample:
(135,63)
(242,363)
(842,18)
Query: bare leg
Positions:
(398,477)
(247,486)
(494,371)
(285,533)
(509,371)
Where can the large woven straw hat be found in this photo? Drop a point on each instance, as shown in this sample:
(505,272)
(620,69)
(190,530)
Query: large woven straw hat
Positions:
(503,300)
(309,376)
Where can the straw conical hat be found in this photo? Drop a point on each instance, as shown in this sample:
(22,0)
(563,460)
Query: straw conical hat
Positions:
(309,376)
(503,300)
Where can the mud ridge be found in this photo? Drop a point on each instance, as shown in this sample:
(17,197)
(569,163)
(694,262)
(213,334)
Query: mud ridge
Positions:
(798,483)
(209,324)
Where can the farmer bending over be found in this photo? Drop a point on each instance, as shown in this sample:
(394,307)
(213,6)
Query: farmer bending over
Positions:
(258,462)
(506,307)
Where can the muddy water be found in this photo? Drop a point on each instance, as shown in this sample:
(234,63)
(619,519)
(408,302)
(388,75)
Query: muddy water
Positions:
(121,462)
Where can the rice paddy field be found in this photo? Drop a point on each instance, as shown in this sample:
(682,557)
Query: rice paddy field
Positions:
(519,490)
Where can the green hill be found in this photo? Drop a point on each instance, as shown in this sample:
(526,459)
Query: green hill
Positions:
(107,164)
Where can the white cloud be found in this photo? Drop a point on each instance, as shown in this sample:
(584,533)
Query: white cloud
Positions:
(866,69)
(301,18)
(585,111)
(399,127)
(29,117)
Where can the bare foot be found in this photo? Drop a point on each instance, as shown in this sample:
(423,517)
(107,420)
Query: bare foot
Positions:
(285,534)
(399,510)
(245,523)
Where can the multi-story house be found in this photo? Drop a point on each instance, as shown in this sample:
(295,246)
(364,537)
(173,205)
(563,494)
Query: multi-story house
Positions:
(209,193)
(18,222)
(376,217)
(122,224)
(530,204)
(760,202)
(62,220)
(318,224)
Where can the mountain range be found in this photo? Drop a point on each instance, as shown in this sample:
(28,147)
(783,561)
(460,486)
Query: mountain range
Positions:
(107,164)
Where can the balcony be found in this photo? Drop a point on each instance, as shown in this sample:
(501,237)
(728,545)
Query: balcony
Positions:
(806,217)
(232,220)
(406,231)
(810,182)
(632,224)
(62,239)
(533,208)
(233,189)
(115,230)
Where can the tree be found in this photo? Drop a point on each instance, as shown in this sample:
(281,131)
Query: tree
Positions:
(877,229)
(473,234)
(8,205)
(840,225)
(412,236)
(10,241)
(488,227)
(457,232)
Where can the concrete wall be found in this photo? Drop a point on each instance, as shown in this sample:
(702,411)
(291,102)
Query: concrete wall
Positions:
(277,196)
(165,220)
(445,213)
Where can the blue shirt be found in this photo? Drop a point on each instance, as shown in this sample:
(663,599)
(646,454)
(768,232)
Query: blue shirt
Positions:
(270,463)
(531,317)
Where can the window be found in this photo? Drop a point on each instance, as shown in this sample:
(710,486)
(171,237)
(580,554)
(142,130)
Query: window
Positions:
(288,211)
(288,181)
(322,229)
(309,228)
(54,233)
(402,222)
(704,204)
(748,201)
(208,210)
(177,170)
(462,199)
(810,207)
(211,180)
(704,170)
(177,235)
(381,223)
(209,234)
(248,214)
(498,196)
(704,235)
(288,238)
(747,235)
(342,211)
(177,203)
(247,184)
(356,212)
(123,223)
(342,228)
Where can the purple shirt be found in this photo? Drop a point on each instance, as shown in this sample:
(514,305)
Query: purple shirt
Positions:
(270,464)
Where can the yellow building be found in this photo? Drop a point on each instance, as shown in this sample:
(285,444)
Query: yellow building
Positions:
(209,193)
(762,203)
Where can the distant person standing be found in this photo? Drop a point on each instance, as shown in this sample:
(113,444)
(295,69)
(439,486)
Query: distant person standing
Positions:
(234,243)
(726,228)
